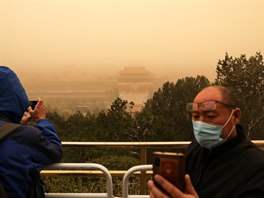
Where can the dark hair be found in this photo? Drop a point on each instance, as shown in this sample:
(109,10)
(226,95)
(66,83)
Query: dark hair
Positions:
(228,96)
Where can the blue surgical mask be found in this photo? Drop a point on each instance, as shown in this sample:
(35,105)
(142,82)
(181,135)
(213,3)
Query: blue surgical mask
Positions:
(209,135)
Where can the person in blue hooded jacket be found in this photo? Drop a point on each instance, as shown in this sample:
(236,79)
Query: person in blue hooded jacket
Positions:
(25,151)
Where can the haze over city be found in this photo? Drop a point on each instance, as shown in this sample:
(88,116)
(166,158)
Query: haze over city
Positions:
(100,37)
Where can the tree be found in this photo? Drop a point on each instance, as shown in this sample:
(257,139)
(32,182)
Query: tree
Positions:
(141,126)
(171,121)
(117,120)
(246,78)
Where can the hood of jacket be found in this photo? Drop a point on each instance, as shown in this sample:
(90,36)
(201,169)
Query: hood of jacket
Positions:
(13,98)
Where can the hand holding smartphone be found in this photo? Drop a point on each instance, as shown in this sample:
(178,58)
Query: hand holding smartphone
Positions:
(171,166)
(33,103)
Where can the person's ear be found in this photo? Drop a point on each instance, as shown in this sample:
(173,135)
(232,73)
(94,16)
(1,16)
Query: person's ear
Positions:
(237,115)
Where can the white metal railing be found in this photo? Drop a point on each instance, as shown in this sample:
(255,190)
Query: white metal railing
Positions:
(83,166)
(126,177)
(142,146)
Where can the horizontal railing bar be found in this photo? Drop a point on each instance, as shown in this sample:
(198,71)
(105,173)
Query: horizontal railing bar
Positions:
(259,143)
(76,195)
(138,145)
(124,144)
(83,173)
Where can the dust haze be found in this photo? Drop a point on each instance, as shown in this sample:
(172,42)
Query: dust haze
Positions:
(71,52)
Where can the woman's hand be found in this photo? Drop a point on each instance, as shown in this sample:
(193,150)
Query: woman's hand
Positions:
(25,118)
(173,191)
(38,113)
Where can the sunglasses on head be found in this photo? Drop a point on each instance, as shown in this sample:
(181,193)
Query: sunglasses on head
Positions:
(205,106)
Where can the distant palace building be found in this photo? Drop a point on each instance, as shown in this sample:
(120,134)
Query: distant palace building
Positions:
(77,92)
(135,84)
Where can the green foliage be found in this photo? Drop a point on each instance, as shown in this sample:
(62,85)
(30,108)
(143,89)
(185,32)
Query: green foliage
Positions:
(141,127)
(75,184)
(114,162)
(117,121)
(163,118)
(169,119)
(246,78)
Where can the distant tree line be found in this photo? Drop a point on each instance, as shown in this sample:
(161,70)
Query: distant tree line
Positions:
(164,116)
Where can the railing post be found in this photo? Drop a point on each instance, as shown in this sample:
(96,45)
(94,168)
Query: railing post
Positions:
(143,185)
(129,173)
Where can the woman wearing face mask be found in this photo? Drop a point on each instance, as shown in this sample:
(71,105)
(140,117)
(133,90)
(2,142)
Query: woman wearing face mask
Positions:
(221,162)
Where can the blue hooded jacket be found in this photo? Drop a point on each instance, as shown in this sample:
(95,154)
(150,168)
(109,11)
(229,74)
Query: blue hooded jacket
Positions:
(26,150)
(13,98)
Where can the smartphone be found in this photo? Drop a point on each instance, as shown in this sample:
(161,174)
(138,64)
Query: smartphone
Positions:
(33,103)
(171,166)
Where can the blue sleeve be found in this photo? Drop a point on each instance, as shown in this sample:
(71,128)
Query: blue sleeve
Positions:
(48,143)
(47,129)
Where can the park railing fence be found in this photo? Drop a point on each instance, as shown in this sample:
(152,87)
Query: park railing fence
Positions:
(141,170)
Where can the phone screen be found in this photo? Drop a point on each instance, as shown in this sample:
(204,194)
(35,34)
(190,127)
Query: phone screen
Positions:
(171,166)
(33,103)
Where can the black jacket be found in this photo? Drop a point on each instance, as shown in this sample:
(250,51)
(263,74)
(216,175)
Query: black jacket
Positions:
(234,169)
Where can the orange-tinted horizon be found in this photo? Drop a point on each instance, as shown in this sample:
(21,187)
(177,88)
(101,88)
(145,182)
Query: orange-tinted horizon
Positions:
(101,37)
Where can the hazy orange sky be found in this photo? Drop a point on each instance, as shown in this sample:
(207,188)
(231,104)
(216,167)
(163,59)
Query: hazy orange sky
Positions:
(101,37)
